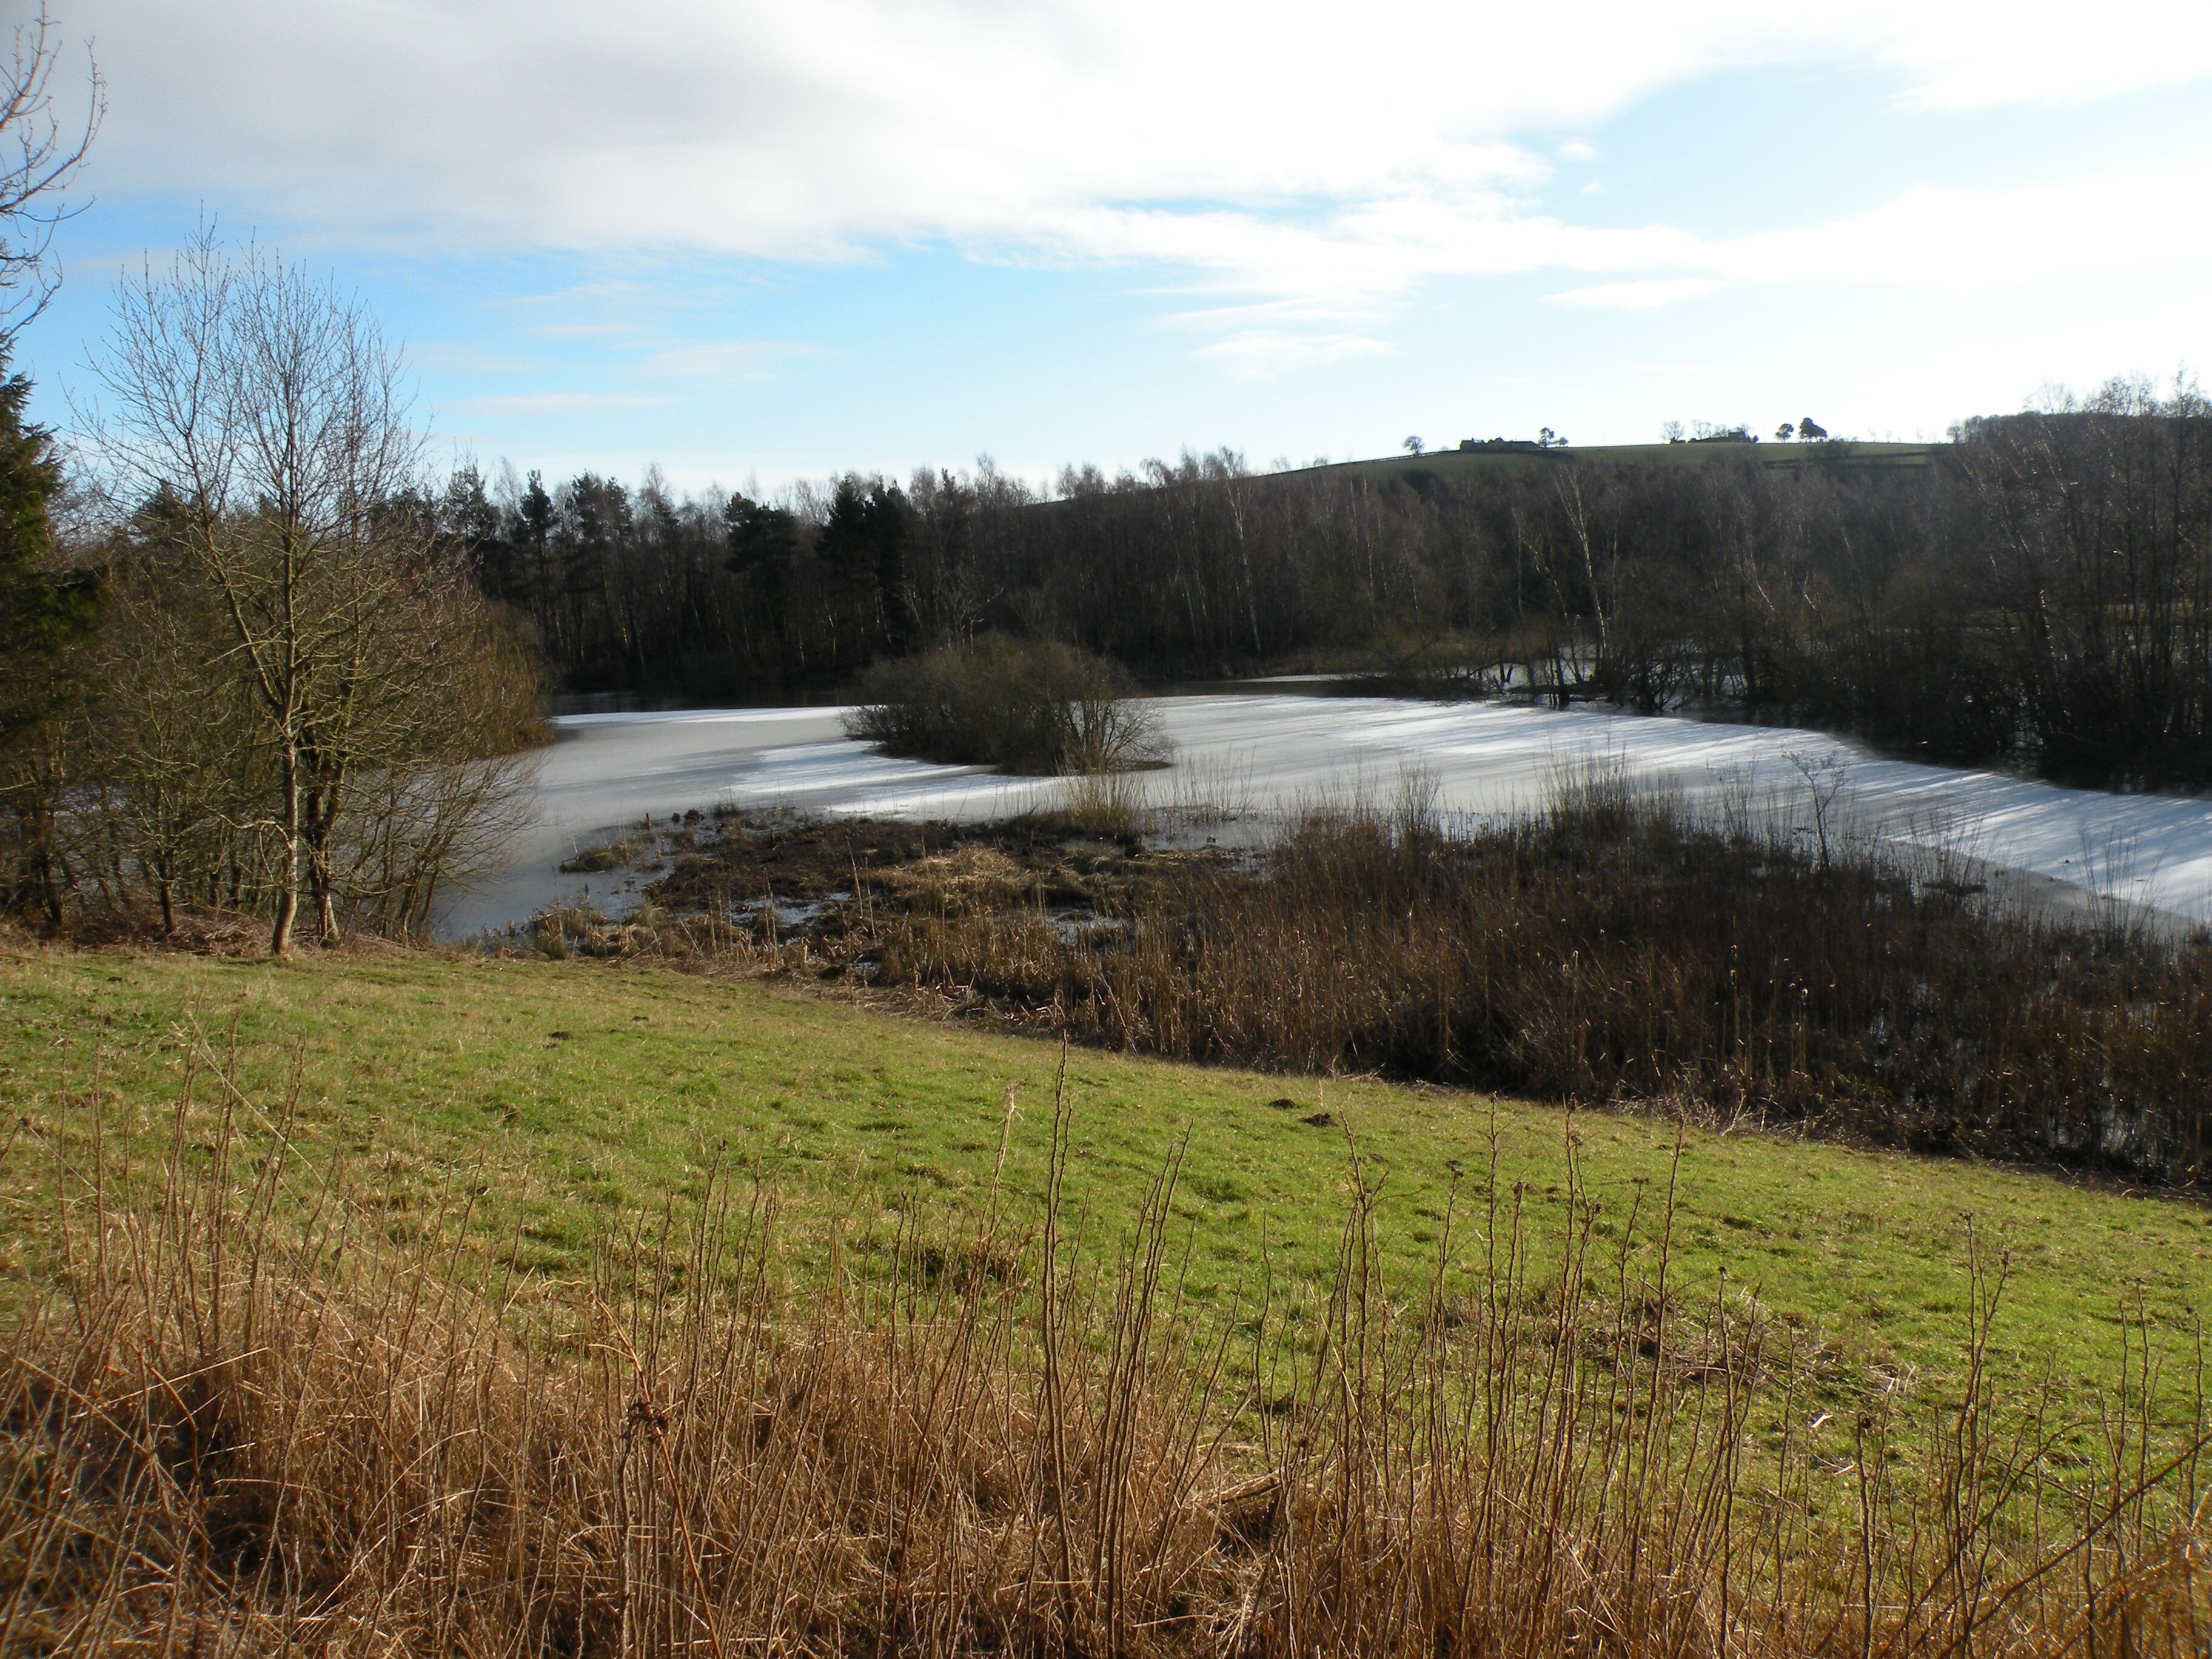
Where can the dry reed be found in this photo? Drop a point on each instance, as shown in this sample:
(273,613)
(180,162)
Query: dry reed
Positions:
(1609,948)
(245,1411)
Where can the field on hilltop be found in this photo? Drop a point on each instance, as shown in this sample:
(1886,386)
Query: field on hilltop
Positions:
(1455,465)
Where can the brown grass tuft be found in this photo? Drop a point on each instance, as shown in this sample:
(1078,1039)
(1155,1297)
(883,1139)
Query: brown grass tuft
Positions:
(239,1414)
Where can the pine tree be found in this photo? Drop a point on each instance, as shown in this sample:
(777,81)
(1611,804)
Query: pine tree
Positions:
(42,612)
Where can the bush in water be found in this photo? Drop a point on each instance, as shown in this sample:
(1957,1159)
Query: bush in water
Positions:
(1022,706)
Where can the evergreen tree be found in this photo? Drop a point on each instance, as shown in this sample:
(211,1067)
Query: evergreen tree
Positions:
(864,540)
(42,612)
(468,517)
(758,538)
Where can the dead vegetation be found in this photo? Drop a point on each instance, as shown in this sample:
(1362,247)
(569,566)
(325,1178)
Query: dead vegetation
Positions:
(247,1406)
(1608,949)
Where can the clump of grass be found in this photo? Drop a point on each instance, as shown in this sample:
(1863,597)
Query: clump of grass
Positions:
(578,930)
(1034,707)
(1102,801)
(641,847)
(248,1406)
(604,856)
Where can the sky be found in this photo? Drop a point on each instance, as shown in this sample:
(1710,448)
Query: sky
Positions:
(750,243)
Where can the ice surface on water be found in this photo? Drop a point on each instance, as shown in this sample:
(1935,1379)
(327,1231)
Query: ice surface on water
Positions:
(1278,752)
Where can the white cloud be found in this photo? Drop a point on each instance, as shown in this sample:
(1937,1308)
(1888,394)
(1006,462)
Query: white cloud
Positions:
(1298,154)
(1972,54)
(587,331)
(1262,354)
(2146,227)
(1648,294)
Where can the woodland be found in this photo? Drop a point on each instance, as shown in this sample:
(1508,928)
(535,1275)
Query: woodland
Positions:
(2035,593)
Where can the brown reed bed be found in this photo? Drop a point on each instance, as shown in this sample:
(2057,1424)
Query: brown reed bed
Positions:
(246,1407)
(1609,948)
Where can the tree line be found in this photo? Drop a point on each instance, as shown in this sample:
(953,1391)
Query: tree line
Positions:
(2037,591)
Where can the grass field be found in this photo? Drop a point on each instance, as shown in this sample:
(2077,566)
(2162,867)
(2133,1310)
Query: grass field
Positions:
(557,1096)
(1454,465)
(509,1352)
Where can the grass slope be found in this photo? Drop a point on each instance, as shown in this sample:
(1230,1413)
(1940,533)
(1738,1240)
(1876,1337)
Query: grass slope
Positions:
(1457,465)
(560,1092)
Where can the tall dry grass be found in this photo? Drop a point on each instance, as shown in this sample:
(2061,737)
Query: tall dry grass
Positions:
(249,1406)
(1610,947)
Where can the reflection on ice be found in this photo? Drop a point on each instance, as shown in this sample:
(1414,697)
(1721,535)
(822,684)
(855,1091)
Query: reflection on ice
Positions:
(1278,751)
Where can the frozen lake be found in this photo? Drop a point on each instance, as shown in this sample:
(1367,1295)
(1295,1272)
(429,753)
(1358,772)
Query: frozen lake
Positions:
(1264,753)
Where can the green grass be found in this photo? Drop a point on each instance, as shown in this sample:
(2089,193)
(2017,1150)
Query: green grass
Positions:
(1454,466)
(553,1095)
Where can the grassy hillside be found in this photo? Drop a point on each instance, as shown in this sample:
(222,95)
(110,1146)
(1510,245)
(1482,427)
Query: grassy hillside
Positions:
(1455,465)
(471,1391)
(551,1094)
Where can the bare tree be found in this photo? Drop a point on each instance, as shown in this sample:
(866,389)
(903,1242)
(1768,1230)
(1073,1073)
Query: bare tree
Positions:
(271,408)
(439,768)
(40,155)
(166,753)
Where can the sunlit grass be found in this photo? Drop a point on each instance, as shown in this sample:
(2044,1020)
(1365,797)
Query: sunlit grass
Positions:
(546,1094)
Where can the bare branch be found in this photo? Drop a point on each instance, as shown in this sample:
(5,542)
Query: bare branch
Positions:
(40,156)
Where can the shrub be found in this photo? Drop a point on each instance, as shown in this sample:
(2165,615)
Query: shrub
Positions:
(1022,706)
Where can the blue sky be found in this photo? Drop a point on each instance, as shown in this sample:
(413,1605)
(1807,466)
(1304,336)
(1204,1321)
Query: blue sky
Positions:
(752,243)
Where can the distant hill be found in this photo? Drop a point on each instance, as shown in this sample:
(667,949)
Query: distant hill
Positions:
(1447,464)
